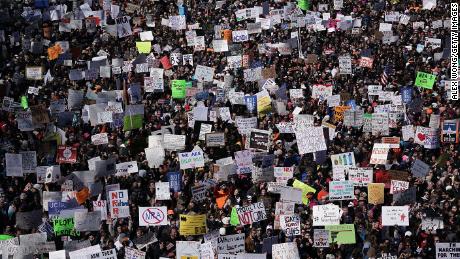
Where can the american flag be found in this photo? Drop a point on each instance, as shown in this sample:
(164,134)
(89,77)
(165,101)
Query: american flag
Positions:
(387,71)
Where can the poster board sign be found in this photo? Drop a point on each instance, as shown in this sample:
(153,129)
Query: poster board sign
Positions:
(285,251)
(191,159)
(395,215)
(153,216)
(251,213)
(119,206)
(341,190)
(231,244)
(341,234)
(192,225)
(290,224)
(360,176)
(328,214)
(447,250)
(162,191)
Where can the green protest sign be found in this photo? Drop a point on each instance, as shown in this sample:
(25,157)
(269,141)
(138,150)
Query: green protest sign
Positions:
(131,122)
(234,220)
(24,102)
(341,234)
(64,227)
(425,80)
(303,4)
(179,88)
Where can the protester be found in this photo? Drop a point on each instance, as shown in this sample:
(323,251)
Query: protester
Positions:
(228,129)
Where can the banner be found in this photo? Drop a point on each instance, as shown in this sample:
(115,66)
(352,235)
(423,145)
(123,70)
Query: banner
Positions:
(153,216)
(192,225)
(119,206)
(252,213)
(395,215)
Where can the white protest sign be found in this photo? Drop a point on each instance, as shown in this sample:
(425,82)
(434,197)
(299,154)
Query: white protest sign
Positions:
(447,250)
(379,154)
(153,216)
(240,36)
(328,214)
(119,206)
(14,165)
(231,244)
(290,224)
(283,174)
(191,159)
(251,213)
(310,140)
(100,139)
(162,191)
(398,186)
(101,205)
(360,176)
(341,190)
(285,251)
(395,215)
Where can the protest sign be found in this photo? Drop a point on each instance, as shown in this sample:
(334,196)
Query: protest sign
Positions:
(119,207)
(344,159)
(188,249)
(29,220)
(405,197)
(153,216)
(398,186)
(447,250)
(126,168)
(100,139)
(341,234)
(380,124)
(14,165)
(321,238)
(87,221)
(199,193)
(216,139)
(283,174)
(290,224)
(328,214)
(419,168)
(106,254)
(29,161)
(450,132)
(175,181)
(360,176)
(162,191)
(243,160)
(395,215)
(230,244)
(66,154)
(259,140)
(191,159)
(100,205)
(432,224)
(282,208)
(322,91)
(375,192)
(285,251)
(190,225)
(345,65)
(34,73)
(178,88)
(251,213)
(65,227)
(379,154)
(341,190)
(310,139)
(425,80)
(131,253)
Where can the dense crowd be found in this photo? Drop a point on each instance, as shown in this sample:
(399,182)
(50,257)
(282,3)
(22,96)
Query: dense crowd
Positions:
(101,96)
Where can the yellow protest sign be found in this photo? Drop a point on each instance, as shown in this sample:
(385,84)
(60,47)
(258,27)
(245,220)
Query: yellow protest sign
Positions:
(375,192)
(339,111)
(305,189)
(190,225)
(144,46)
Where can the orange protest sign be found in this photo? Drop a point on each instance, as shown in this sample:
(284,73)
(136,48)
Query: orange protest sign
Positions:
(53,52)
(82,195)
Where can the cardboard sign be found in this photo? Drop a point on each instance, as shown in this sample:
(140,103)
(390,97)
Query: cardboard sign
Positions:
(153,216)
(251,213)
(119,206)
(375,192)
(395,215)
